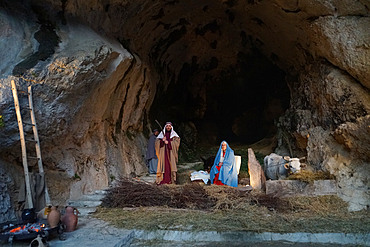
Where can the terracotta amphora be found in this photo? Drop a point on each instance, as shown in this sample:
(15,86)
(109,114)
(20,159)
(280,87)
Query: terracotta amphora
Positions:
(70,219)
(53,217)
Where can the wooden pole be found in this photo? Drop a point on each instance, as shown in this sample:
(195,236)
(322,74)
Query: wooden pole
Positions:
(29,203)
(37,144)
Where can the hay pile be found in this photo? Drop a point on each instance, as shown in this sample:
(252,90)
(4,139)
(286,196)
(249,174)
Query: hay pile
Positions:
(133,193)
(310,176)
(139,205)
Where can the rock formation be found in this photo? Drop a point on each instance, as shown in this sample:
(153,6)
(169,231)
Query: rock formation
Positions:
(257,177)
(102,71)
(6,210)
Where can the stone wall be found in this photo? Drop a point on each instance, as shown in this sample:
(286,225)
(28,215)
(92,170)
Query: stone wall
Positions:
(7,212)
(90,98)
(330,124)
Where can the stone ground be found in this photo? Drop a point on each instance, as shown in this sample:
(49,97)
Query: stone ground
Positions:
(228,244)
(92,232)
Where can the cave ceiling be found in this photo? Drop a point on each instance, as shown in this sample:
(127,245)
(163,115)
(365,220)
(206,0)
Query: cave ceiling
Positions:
(219,64)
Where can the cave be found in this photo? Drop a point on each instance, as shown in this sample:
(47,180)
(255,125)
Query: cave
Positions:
(240,105)
(294,73)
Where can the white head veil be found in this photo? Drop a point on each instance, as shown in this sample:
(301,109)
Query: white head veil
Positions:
(173,133)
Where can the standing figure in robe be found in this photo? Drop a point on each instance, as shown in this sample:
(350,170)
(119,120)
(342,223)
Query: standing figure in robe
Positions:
(151,157)
(224,171)
(167,146)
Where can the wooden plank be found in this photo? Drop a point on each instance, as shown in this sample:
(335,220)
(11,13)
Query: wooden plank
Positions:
(37,143)
(29,203)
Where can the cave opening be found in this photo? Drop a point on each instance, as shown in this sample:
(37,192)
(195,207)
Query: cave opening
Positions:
(240,104)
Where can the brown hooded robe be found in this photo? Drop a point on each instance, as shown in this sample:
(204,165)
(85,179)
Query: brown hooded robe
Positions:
(160,151)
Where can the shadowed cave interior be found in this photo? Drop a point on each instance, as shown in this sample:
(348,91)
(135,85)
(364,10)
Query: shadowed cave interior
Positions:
(240,105)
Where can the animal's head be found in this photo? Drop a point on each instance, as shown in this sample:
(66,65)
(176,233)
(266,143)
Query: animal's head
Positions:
(294,164)
(208,163)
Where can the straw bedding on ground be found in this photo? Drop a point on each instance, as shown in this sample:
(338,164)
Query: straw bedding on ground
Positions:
(134,204)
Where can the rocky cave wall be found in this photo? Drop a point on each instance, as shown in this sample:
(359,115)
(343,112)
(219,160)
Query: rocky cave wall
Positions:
(94,87)
(90,98)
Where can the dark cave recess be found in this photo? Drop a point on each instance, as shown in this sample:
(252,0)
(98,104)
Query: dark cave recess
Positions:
(240,105)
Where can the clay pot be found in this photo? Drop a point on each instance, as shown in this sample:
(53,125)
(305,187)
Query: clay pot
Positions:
(29,215)
(53,217)
(70,219)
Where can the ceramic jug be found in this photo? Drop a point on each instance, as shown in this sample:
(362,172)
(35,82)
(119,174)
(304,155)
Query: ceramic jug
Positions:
(29,215)
(53,217)
(70,219)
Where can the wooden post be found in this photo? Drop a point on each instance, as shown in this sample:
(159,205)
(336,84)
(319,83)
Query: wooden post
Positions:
(29,203)
(37,144)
